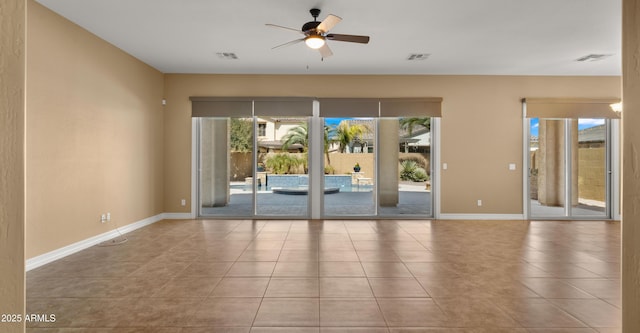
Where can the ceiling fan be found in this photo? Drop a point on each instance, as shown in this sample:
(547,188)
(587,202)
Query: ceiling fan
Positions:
(317,33)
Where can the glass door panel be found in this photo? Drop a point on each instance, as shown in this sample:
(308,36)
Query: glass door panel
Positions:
(569,168)
(282,179)
(409,157)
(225,164)
(592,168)
(350,169)
(547,167)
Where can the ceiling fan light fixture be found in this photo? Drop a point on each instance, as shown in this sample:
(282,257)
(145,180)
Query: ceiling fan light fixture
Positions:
(314,41)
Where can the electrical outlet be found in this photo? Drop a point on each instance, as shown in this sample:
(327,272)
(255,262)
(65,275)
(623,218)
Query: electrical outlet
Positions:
(108,217)
(183,202)
(103,218)
(479,203)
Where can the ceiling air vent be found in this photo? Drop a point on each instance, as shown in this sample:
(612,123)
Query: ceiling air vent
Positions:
(418,56)
(227,55)
(593,57)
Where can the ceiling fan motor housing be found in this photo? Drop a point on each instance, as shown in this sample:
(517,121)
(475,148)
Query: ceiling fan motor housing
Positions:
(312,25)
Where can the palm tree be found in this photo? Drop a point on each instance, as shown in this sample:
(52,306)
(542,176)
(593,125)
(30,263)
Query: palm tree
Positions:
(409,123)
(300,134)
(346,134)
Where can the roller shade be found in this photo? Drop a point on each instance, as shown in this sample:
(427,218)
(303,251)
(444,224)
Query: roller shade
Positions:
(349,107)
(570,108)
(221,107)
(290,106)
(411,107)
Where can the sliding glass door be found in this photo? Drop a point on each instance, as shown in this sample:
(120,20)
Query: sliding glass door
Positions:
(570,169)
(284,158)
(225,162)
(408,139)
(282,168)
(350,167)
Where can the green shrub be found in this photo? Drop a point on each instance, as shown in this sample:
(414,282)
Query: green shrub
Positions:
(420,175)
(412,172)
(408,167)
(329,170)
(420,161)
(284,163)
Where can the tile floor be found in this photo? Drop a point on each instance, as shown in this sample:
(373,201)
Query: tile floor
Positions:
(391,276)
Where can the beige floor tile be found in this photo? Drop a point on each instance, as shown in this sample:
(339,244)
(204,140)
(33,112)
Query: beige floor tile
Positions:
(535,312)
(484,277)
(283,312)
(345,287)
(474,312)
(296,269)
(293,287)
(251,269)
(566,270)
(417,256)
(554,288)
(214,330)
(412,312)
(241,287)
(338,255)
(433,270)
(453,287)
(609,330)
(298,255)
(187,287)
(341,269)
(562,330)
(593,312)
(206,269)
(285,330)
(604,269)
(386,269)
(601,288)
(378,256)
(353,330)
(161,312)
(258,255)
(397,287)
(427,330)
(225,312)
(350,312)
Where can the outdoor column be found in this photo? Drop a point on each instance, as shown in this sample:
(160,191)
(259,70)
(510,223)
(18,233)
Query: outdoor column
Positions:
(550,160)
(630,172)
(388,153)
(214,176)
(12,177)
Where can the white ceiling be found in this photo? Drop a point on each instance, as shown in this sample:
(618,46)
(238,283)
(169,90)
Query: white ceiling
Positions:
(493,37)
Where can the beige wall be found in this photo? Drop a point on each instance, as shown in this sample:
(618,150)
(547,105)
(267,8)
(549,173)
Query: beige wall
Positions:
(630,172)
(591,173)
(94,134)
(480,114)
(12,79)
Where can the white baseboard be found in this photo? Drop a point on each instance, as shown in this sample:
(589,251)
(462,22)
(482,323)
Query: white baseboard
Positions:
(178,216)
(62,252)
(481,217)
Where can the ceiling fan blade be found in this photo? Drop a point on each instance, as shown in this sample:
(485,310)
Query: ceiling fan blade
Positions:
(325,51)
(328,23)
(348,38)
(296,41)
(281,27)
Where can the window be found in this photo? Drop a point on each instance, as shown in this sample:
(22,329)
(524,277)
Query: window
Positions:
(262,129)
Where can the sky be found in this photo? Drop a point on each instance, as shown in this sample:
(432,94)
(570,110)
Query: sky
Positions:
(582,124)
(333,121)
